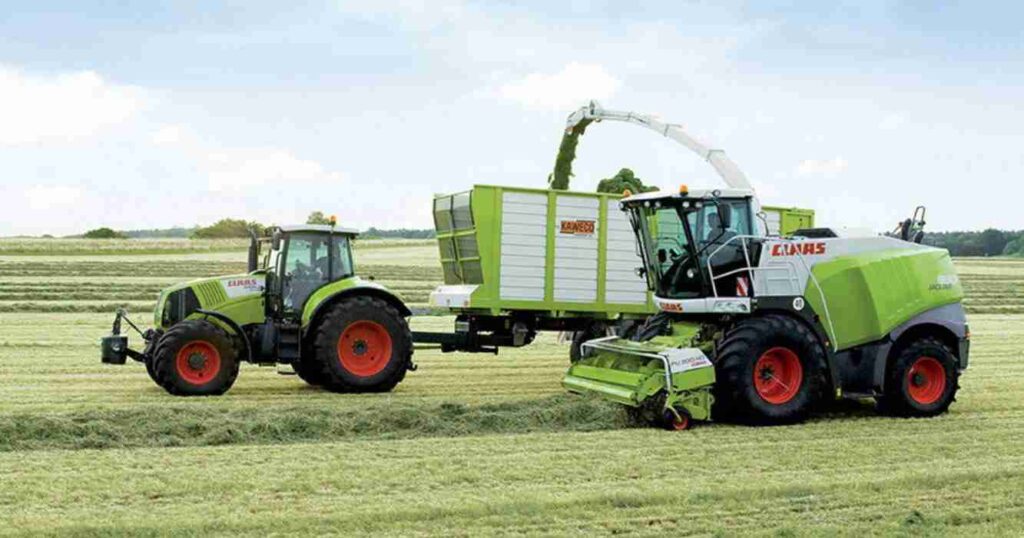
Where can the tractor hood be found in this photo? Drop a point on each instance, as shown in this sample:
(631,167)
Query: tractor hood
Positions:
(238,296)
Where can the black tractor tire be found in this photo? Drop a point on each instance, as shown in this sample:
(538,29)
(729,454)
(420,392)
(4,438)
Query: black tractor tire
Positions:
(150,362)
(195,358)
(309,371)
(921,380)
(590,332)
(770,370)
(363,344)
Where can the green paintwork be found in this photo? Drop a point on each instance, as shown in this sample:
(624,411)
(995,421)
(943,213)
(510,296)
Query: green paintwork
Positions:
(478,244)
(871,294)
(328,291)
(243,310)
(628,377)
(791,219)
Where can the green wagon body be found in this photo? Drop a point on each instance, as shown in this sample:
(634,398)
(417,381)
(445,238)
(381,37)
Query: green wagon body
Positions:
(560,254)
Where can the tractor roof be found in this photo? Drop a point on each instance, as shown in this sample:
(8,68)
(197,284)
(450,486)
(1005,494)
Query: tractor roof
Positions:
(319,228)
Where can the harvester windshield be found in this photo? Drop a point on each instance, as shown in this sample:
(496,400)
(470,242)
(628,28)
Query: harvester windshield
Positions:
(676,235)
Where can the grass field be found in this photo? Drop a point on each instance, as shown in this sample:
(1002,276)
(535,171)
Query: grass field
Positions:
(467,445)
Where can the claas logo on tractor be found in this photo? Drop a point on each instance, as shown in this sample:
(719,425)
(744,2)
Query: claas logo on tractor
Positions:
(793,249)
(578,227)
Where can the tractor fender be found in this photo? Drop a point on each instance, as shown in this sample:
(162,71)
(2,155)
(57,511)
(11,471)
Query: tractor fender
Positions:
(324,298)
(246,346)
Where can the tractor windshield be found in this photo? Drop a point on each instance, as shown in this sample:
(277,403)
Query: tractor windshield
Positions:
(676,237)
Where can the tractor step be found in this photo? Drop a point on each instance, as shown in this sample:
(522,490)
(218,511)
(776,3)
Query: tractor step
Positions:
(288,343)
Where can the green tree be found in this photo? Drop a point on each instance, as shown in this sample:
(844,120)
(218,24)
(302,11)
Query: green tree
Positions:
(623,181)
(318,217)
(228,228)
(993,241)
(104,233)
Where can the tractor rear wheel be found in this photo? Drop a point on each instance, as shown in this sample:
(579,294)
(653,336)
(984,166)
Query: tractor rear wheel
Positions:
(771,370)
(309,371)
(363,344)
(195,358)
(922,380)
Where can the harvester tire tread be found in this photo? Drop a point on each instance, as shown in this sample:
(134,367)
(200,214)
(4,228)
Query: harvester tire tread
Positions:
(590,332)
(340,317)
(165,355)
(897,400)
(737,399)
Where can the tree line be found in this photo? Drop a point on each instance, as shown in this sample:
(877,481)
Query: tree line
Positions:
(990,242)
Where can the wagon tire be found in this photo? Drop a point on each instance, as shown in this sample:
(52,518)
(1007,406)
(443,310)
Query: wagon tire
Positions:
(195,358)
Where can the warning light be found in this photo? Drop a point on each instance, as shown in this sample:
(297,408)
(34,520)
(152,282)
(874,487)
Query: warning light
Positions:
(683,189)
(627,193)
(333,220)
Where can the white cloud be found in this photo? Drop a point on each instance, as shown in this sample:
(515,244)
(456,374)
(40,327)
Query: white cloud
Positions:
(235,169)
(576,83)
(51,198)
(61,108)
(828,167)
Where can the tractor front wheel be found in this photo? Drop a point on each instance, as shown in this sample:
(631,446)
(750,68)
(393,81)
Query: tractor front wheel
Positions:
(363,344)
(195,358)
(922,380)
(771,370)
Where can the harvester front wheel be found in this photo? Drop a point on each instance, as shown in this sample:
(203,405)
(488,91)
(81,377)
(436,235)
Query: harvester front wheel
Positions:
(922,380)
(590,332)
(363,344)
(771,370)
(195,358)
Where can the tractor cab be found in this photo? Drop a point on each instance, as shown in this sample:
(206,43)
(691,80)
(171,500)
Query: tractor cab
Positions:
(300,260)
(681,235)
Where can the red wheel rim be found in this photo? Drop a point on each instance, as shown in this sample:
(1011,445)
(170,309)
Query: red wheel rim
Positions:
(364,348)
(778,375)
(198,362)
(680,423)
(926,380)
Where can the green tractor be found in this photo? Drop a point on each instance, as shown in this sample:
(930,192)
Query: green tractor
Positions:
(299,304)
(759,329)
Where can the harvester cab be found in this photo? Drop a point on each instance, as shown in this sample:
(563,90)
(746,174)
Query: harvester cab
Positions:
(760,328)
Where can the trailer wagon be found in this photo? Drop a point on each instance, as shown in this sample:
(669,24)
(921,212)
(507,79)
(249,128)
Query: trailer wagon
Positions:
(518,260)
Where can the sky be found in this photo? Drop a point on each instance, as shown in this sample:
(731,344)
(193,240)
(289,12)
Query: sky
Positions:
(159,114)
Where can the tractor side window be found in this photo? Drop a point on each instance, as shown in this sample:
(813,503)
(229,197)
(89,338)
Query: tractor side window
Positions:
(342,267)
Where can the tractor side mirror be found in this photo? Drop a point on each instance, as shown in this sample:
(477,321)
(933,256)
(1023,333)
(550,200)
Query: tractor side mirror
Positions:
(662,256)
(254,254)
(724,215)
(276,240)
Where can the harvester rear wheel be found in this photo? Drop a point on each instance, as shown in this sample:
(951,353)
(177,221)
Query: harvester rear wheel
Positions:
(195,358)
(771,370)
(363,344)
(922,380)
